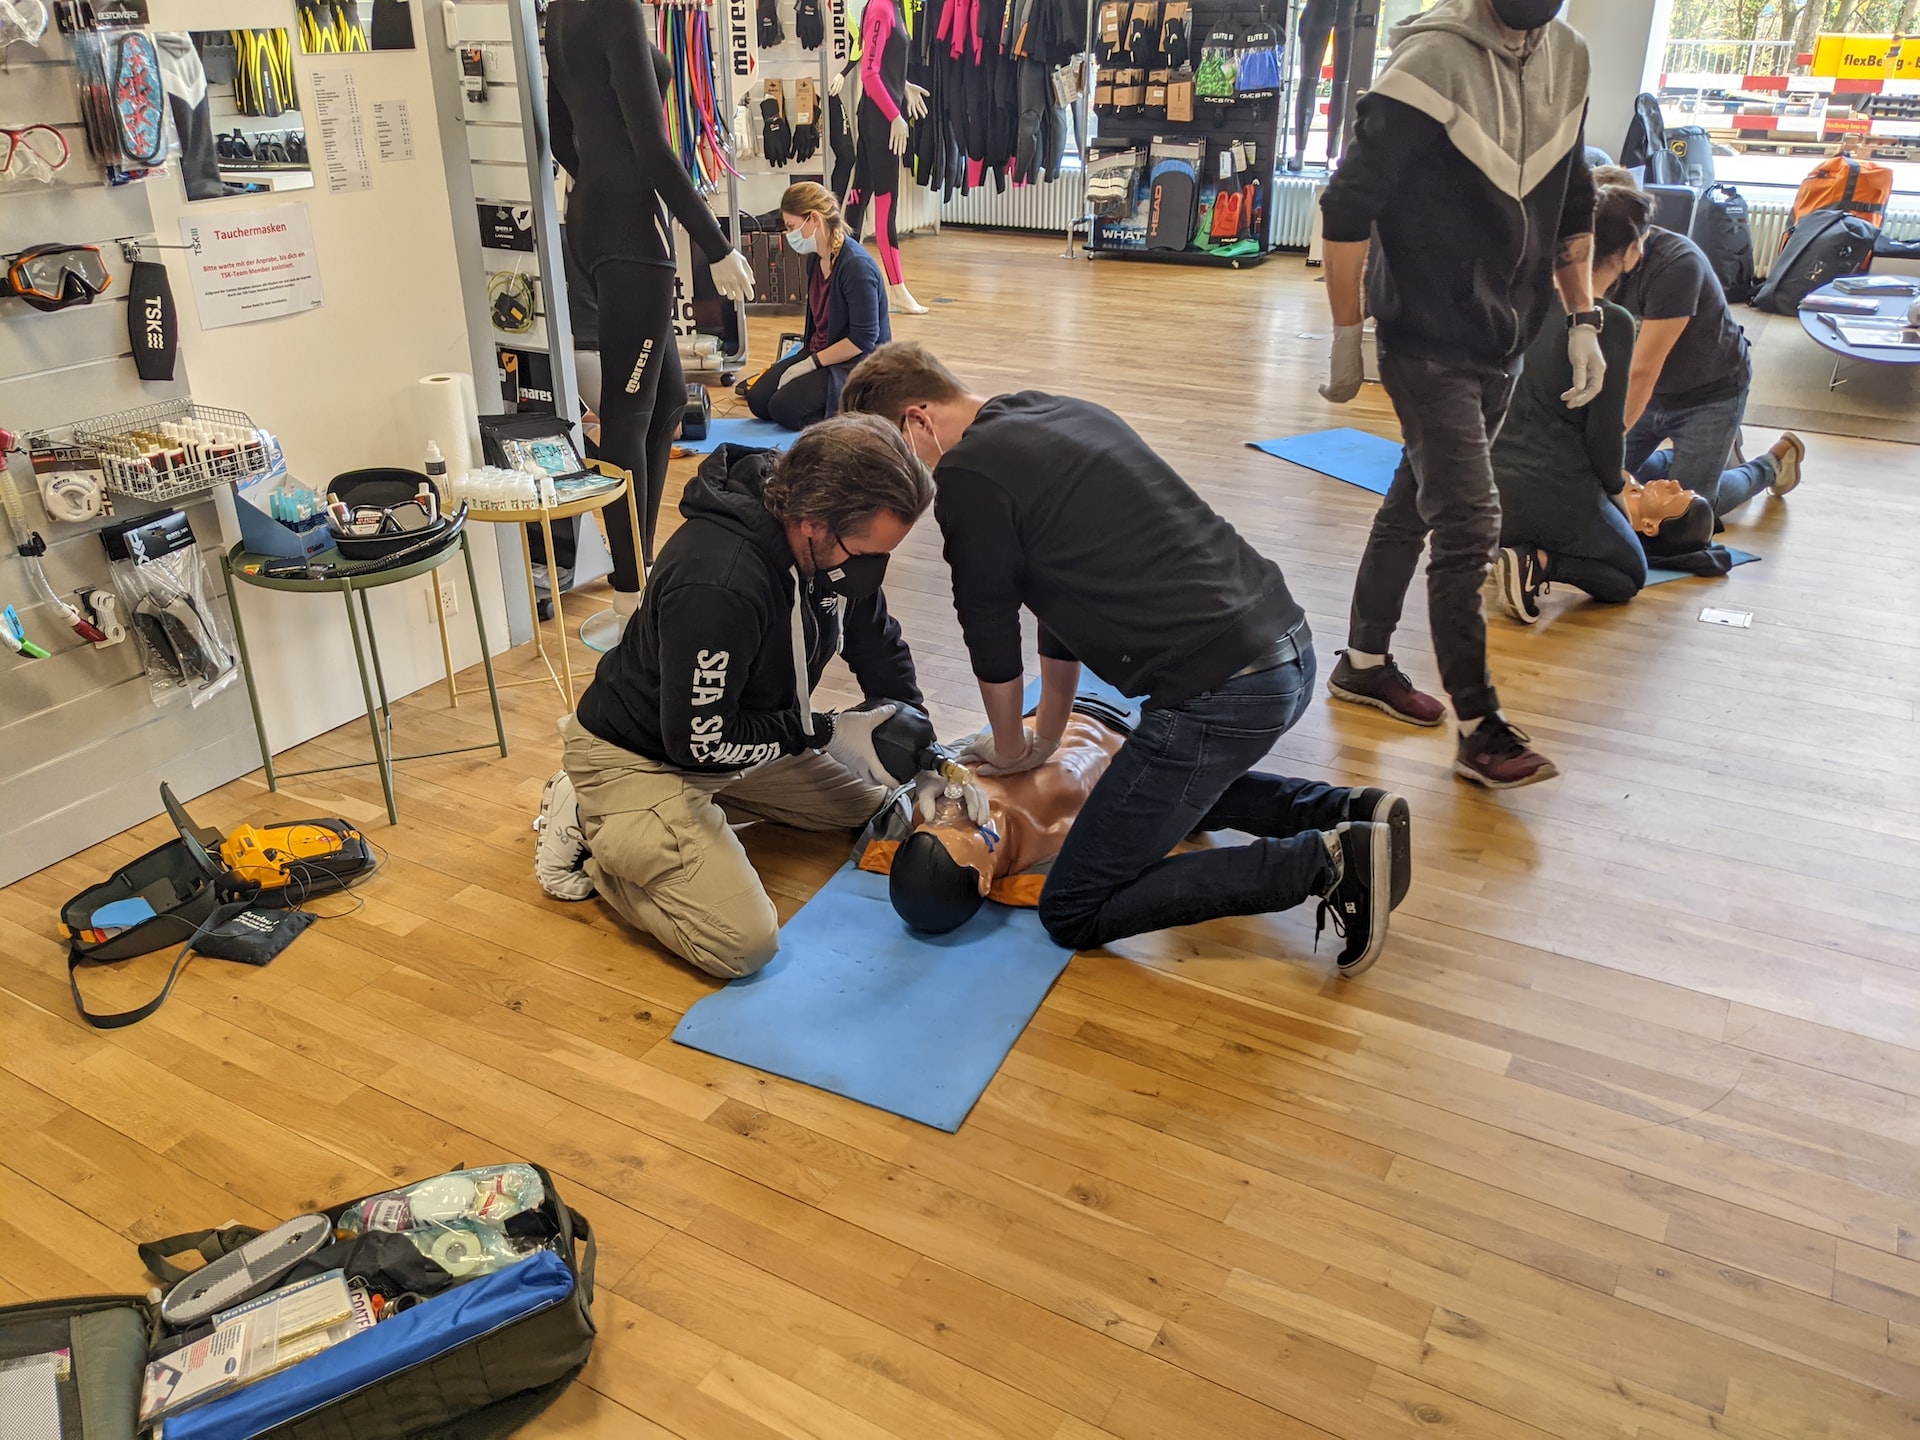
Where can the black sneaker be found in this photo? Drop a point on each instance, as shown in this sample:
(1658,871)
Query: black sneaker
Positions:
(1522,580)
(1376,806)
(1363,878)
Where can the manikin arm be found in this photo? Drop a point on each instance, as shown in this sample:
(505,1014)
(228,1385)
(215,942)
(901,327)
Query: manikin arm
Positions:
(560,128)
(630,62)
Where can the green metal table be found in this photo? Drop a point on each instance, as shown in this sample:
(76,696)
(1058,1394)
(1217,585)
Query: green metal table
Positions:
(245,569)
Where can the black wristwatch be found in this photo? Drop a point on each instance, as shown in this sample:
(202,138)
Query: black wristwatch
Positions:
(1596,318)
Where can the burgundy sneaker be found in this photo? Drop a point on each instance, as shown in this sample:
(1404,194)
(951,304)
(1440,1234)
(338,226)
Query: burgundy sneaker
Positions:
(1500,757)
(1385,687)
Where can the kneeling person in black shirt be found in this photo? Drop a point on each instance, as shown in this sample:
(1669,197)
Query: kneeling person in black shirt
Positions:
(1057,505)
(702,714)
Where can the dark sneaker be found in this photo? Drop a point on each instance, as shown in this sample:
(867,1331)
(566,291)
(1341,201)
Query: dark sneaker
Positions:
(1355,902)
(1500,757)
(1382,807)
(1385,687)
(1521,580)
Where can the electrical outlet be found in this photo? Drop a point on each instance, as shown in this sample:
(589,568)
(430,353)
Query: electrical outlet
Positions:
(448,597)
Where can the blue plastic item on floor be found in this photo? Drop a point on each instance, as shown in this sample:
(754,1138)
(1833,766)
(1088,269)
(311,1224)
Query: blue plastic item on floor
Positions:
(757,434)
(857,1004)
(1657,576)
(1353,456)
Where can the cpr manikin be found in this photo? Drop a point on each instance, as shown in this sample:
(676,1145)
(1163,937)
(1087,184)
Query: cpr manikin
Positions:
(609,130)
(975,837)
(880,140)
(1669,518)
(1322,21)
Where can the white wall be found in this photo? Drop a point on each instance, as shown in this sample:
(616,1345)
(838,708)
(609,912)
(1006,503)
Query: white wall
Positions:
(1625,39)
(334,384)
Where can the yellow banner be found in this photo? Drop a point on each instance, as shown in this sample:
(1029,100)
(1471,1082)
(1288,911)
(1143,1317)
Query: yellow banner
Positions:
(1866,57)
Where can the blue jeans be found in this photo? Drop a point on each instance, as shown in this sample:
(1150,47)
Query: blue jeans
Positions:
(1703,437)
(1185,769)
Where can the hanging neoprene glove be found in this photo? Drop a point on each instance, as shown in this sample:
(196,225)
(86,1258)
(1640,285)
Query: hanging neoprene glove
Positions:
(1143,37)
(776,136)
(806,142)
(808,25)
(772,33)
(1176,36)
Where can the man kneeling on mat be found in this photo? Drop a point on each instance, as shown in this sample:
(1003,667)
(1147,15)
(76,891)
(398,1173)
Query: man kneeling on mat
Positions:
(1058,506)
(702,715)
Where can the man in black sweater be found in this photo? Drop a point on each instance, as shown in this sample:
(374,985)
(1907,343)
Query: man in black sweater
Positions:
(1057,505)
(1468,175)
(701,715)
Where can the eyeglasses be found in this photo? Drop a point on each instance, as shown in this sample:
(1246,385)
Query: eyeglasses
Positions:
(33,153)
(52,277)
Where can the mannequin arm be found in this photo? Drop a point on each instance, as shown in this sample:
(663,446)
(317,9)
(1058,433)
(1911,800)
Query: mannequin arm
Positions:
(630,62)
(560,132)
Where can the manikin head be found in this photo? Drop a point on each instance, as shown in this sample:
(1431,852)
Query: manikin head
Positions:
(847,493)
(1622,215)
(932,889)
(906,386)
(811,217)
(1671,519)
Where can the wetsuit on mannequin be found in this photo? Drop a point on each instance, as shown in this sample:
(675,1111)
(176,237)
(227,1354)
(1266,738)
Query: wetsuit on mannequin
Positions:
(1321,21)
(609,130)
(880,140)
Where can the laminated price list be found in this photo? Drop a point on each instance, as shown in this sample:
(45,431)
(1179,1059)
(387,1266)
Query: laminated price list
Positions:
(343,132)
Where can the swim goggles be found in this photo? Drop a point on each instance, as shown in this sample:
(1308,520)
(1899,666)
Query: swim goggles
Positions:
(52,277)
(33,153)
(22,20)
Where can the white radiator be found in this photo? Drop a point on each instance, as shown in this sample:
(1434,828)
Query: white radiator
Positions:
(1770,219)
(1049,207)
(1296,201)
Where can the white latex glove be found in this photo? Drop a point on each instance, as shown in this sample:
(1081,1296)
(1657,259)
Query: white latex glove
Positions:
(981,755)
(1348,370)
(916,102)
(837,83)
(932,785)
(805,366)
(733,276)
(897,140)
(852,743)
(1589,366)
(743,142)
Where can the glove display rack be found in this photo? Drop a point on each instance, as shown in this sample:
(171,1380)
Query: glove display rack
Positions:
(1189,111)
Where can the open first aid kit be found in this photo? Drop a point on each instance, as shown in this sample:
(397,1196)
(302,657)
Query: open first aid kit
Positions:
(231,896)
(460,1306)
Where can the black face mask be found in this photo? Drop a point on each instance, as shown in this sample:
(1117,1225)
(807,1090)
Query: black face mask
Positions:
(854,578)
(1525,14)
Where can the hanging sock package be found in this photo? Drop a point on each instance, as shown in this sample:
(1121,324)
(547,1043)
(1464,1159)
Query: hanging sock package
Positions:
(164,591)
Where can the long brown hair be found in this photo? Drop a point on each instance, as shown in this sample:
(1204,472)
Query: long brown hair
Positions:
(806,198)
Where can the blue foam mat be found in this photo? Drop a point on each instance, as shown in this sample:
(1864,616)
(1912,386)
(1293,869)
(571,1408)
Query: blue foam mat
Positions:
(759,434)
(858,1005)
(1353,456)
(1658,576)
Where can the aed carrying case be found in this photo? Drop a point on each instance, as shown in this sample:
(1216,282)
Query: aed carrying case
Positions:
(191,892)
(474,1361)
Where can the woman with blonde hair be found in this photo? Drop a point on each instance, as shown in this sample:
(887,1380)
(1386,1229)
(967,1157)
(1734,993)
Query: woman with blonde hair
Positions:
(846,313)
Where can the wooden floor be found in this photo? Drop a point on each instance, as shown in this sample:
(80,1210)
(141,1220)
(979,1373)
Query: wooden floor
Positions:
(1619,1138)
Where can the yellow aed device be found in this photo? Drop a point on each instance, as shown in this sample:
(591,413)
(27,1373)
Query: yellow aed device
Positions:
(270,858)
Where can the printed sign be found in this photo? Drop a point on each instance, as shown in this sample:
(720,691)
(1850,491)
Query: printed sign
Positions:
(1867,57)
(506,227)
(252,265)
(741,35)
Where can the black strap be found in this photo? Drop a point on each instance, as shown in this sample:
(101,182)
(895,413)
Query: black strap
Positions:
(209,1244)
(583,1233)
(1853,181)
(221,914)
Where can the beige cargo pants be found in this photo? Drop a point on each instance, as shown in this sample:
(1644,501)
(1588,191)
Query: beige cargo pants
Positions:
(663,857)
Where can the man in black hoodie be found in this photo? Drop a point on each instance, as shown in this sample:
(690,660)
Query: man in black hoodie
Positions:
(1468,174)
(702,714)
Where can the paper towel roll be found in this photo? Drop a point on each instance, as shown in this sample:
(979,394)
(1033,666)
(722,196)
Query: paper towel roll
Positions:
(445,413)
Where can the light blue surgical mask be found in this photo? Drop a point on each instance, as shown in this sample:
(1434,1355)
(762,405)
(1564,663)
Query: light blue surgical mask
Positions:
(802,244)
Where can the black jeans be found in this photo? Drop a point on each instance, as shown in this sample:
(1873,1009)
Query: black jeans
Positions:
(1607,561)
(1444,487)
(1186,768)
(794,406)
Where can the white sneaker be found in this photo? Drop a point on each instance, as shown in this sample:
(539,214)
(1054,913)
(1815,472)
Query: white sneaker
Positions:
(560,854)
(1788,473)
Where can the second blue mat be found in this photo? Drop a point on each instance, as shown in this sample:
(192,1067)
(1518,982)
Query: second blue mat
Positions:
(1353,456)
(758,434)
(857,1004)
